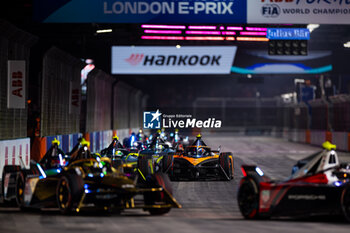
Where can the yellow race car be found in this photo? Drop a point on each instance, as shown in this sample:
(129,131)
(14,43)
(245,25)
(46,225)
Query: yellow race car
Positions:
(200,162)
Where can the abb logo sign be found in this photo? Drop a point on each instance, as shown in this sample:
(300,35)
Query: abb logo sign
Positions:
(16,84)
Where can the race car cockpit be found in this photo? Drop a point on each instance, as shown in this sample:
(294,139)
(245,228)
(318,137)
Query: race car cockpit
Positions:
(82,153)
(115,149)
(54,157)
(319,162)
(198,149)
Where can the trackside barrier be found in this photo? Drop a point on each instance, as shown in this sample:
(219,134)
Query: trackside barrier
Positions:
(307,136)
(298,135)
(101,139)
(294,135)
(317,137)
(341,140)
(41,144)
(285,133)
(12,150)
(68,141)
(98,141)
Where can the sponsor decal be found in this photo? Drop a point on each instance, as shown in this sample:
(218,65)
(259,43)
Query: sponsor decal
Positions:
(265,195)
(106,196)
(29,189)
(135,59)
(126,186)
(307,197)
(6,182)
(298,11)
(172,60)
(157,120)
(288,34)
(270,10)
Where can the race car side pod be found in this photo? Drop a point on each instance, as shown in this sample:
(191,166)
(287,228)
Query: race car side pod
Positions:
(252,170)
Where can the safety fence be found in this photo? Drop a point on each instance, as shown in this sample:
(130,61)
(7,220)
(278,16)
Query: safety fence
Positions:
(60,111)
(323,120)
(15,45)
(313,123)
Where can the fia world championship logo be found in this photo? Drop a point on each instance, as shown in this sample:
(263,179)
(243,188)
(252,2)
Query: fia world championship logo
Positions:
(151,120)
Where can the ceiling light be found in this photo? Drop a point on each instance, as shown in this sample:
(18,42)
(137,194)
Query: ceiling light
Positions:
(347,44)
(312,27)
(104,31)
(178,46)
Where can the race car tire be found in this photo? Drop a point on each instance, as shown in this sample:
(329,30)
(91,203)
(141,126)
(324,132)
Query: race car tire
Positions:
(345,202)
(69,192)
(20,188)
(7,169)
(167,162)
(158,180)
(226,163)
(248,198)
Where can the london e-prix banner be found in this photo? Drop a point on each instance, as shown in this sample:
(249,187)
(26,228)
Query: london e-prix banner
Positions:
(193,11)
(140,11)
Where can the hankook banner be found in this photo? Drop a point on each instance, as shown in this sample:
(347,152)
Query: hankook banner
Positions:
(299,11)
(172,60)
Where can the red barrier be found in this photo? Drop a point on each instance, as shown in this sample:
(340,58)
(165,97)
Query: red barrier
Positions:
(329,136)
(38,149)
(307,136)
(87,137)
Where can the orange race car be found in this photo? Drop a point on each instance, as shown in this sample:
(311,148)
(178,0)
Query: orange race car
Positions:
(199,162)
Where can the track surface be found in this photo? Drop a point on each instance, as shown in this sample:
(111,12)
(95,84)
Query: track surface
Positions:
(207,206)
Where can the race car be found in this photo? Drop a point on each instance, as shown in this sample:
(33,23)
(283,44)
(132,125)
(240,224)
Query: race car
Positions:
(319,185)
(158,157)
(178,141)
(13,176)
(87,182)
(199,162)
(135,142)
(121,157)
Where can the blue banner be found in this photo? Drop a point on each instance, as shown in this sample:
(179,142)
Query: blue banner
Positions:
(140,11)
(288,34)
